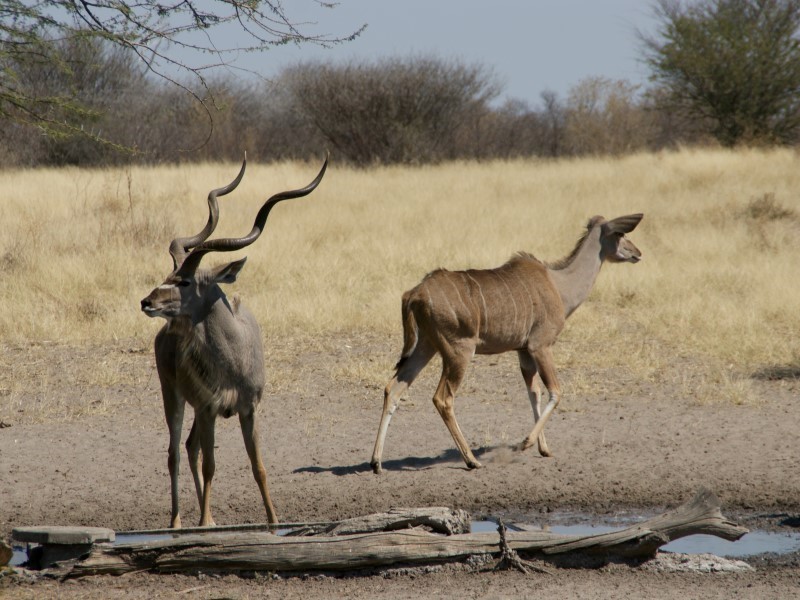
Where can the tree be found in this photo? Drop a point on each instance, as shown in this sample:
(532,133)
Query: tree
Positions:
(160,33)
(100,85)
(603,116)
(554,116)
(734,64)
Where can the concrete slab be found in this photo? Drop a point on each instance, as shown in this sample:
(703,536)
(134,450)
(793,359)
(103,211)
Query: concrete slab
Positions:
(62,535)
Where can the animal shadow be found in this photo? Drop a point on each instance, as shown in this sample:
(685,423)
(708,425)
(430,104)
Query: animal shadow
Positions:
(410,463)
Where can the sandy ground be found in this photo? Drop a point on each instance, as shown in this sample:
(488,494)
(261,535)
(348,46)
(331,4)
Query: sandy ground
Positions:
(628,447)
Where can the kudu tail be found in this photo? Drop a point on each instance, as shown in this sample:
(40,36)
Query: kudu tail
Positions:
(410,331)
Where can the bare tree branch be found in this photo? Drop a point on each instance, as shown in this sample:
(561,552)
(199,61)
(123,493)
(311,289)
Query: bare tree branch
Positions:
(173,40)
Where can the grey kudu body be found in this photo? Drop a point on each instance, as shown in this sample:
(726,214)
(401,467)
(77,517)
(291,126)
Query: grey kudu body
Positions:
(209,353)
(519,306)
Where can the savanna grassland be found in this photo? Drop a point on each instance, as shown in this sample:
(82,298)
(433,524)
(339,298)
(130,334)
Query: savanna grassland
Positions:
(680,371)
(719,280)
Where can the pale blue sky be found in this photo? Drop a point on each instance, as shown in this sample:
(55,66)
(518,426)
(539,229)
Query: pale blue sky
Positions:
(532,46)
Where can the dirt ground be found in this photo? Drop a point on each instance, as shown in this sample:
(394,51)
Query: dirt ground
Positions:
(627,447)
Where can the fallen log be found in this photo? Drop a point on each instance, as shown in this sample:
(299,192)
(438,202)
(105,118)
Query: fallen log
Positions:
(436,519)
(262,551)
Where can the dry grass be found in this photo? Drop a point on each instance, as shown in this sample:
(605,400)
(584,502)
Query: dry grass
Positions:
(53,381)
(720,238)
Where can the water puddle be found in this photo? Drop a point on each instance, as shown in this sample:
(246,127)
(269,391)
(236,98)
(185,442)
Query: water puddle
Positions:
(19,556)
(753,543)
(124,538)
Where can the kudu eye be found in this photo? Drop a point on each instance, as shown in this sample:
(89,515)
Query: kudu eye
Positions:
(184,283)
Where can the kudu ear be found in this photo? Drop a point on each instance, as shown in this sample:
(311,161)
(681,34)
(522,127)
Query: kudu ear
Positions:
(624,224)
(227,273)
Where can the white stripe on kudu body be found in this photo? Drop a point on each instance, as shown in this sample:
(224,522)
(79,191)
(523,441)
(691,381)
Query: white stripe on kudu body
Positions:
(209,353)
(519,306)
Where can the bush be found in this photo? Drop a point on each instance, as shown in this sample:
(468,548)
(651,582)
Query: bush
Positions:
(87,92)
(408,111)
(392,111)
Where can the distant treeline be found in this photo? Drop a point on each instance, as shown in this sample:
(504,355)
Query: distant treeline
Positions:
(400,110)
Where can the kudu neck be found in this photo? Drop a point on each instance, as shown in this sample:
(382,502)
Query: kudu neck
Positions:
(211,309)
(574,276)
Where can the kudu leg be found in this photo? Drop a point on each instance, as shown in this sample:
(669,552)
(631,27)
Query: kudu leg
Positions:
(173,410)
(547,371)
(250,434)
(453,372)
(407,372)
(205,421)
(193,452)
(529,369)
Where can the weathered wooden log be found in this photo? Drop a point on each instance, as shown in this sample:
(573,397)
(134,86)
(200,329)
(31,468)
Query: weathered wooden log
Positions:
(701,515)
(437,519)
(260,551)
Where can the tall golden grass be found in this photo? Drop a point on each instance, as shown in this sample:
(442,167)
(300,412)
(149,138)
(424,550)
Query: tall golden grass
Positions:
(720,239)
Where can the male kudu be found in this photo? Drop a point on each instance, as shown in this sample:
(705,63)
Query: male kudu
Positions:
(209,353)
(520,306)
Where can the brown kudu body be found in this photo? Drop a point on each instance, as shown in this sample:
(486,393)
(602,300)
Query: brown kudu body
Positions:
(521,305)
(209,353)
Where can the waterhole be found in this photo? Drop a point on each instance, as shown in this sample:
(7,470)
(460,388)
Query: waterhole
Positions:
(752,544)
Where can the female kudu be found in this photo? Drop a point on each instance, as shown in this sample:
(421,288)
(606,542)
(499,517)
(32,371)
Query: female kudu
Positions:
(519,306)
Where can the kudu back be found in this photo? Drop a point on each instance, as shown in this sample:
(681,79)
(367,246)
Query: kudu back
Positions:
(209,353)
(520,306)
